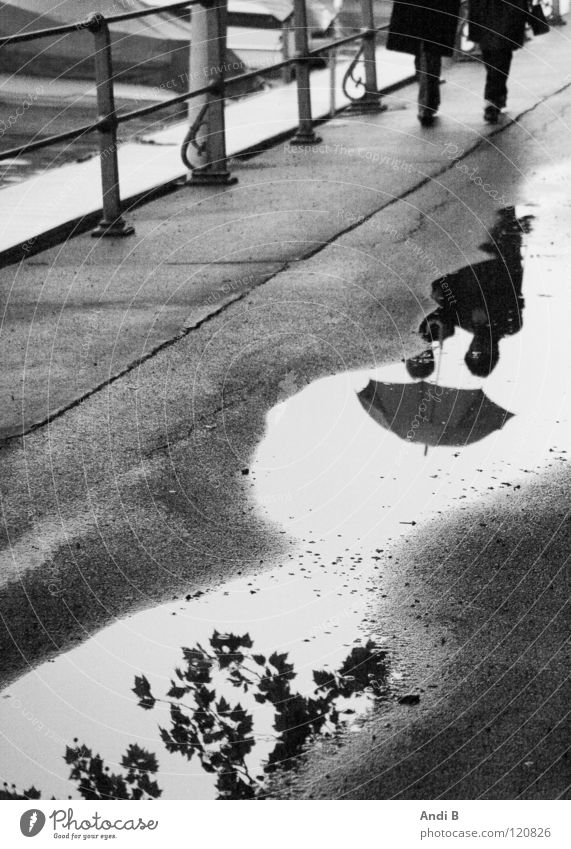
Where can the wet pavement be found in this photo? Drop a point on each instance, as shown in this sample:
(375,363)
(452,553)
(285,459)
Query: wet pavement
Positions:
(236,743)
(360,471)
(350,466)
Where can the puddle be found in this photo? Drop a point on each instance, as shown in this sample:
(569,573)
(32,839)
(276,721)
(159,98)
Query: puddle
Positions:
(362,454)
(233,709)
(269,665)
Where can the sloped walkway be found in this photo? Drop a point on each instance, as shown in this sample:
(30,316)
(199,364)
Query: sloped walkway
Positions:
(82,314)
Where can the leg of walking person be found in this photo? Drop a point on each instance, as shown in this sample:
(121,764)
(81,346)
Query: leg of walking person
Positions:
(498,63)
(428,65)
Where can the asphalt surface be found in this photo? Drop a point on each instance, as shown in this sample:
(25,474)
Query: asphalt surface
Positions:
(142,373)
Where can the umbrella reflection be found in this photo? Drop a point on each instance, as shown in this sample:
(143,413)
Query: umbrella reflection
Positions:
(431,414)
(484,299)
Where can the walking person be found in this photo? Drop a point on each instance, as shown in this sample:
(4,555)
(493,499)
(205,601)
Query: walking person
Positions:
(427,29)
(498,26)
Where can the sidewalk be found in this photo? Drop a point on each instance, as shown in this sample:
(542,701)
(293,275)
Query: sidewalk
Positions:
(206,445)
(60,198)
(82,314)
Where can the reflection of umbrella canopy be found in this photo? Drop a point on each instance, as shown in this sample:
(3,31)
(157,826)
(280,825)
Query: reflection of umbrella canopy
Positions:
(432,415)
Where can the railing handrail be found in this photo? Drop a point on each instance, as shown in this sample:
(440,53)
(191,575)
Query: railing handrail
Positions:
(143,111)
(77,26)
(346,39)
(70,135)
(209,123)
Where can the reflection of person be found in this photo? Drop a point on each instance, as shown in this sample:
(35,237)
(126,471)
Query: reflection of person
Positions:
(499,28)
(485,299)
(422,365)
(483,354)
(426,29)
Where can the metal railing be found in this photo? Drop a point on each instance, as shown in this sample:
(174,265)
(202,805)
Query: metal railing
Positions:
(206,133)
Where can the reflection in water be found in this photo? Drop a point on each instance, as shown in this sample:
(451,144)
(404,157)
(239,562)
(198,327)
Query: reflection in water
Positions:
(485,299)
(221,734)
(206,722)
(432,414)
(94,780)
(326,470)
(345,490)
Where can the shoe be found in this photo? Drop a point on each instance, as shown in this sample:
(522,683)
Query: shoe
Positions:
(426,116)
(492,113)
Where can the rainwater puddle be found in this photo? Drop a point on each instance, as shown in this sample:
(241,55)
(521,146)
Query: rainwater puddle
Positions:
(361,455)
(268,665)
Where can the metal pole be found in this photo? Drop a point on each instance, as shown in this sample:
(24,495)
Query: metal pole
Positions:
(305,133)
(208,65)
(286,74)
(555,19)
(112,223)
(332,81)
(371,100)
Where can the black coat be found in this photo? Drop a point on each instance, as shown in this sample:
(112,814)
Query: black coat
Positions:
(498,24)
(432,21)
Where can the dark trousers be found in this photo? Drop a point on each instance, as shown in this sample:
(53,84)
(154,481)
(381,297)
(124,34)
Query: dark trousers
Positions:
(428,67)
(497,64)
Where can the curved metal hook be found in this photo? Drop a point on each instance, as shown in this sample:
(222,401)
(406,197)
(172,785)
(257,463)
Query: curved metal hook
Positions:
(190,137)
(357,81)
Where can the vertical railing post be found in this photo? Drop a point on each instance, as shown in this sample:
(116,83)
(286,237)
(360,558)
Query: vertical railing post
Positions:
(556,19)
(207,66)
(112,223)
(305,133)
(332,61)
(286,74)
(371,100)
